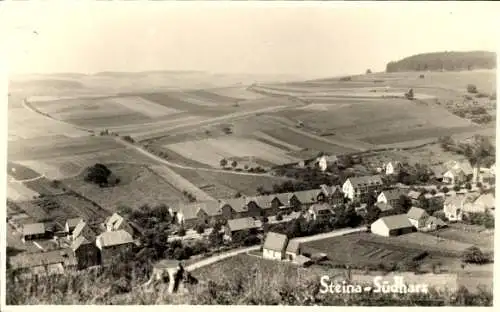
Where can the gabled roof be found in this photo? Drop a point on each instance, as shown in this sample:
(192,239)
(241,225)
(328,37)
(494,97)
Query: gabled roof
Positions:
(79,241)
(464,166)
(241,224)
(33,229)
(284,198)
(308,196)
(416,213)
(275,241)
(486,200)
(237,204)
(396,222)
(82,229)
(114,220)
(336,189)
(413,194)
(114,238)
(435,221)
(438,170)
(393,194)
(454,200)
(30,260)
(365,180)
(211,208)
(72,223)
(293,246)
(189,211)
(321,207)
(384,207)
(263,201)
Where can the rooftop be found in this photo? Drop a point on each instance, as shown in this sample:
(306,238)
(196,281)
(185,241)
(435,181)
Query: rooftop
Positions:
(29,260)
(114,238)
(33,229)
(241,224)
(275,241)
(416,213)
(366,180)
(396,221)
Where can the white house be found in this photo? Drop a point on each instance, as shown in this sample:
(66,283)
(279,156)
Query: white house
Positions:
(392,226)
(293,249)
(357,188)
(417,217)
(320,211)
(274,246)
(453,208)
(390,197)
(392,167)
(454,176)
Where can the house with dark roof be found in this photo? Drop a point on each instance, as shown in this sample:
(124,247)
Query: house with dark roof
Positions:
(274,246)
(112,244)
(285,204)
(84,230)
(392,226)
(391,197)
(86,252)
(32,231)
(320,212)
(234,208)
(384,207)
(263,205)
(304,199)
(359,188)
(244,225)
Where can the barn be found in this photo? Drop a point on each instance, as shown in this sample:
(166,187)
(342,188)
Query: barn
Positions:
(392,226)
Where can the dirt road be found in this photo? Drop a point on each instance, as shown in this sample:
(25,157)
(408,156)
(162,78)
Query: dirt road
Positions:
(220,257)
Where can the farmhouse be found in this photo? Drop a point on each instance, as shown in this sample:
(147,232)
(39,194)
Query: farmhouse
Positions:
(71,224)
(42,263)
(117,222)
(85,252)
(34,231)
(358,188)
(391,197)
(266,205)
(274,246)
(417,217)
(304,199)
(284,201)
(392,226)
(233,208)
(112,244)
(187,214)
(454,176)
(320,212)
(243,225)
(453,208)
(334,194)
(437,172)
(484,203)
(325,161)
(83,229)
(392,167)
(209,212)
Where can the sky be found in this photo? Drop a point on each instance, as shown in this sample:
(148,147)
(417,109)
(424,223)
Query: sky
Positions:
(312,40)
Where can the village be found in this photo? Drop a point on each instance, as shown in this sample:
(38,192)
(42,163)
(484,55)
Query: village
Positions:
(364,204)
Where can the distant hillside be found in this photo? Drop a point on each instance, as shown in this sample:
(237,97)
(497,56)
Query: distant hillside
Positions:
(449,61)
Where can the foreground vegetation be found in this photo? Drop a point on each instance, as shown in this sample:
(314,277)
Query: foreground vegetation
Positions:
(269,283)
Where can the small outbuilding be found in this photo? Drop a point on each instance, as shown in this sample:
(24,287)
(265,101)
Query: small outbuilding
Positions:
(275,246)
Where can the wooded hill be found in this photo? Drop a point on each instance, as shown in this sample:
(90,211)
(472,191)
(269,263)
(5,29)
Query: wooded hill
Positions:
(449,61)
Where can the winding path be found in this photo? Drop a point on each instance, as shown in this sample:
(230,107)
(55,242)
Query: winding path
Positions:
(232,253)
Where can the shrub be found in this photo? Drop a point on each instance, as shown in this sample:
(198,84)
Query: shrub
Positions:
(456,188)
(474,255)
(128,138)
(347,78)
(182,232)
(97,174)
(223,162)
(471,88)
(445,190)
(440,215)
(468,186)
(200,229)
(479,184)
(421,76)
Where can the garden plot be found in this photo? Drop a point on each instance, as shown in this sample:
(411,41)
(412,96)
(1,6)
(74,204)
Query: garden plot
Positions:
(211,151)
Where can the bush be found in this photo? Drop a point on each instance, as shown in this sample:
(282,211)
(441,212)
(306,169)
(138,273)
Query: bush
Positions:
(456,188)
(421,76)
(128,138)
(471,88)
(182,232)
(348,78)
(440,215)
(445,190)
(474,255)
(97,174)
(279,217)
(200,229)
(468,186)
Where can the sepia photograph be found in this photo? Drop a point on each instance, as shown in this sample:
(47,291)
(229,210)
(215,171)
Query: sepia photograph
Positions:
(249,153)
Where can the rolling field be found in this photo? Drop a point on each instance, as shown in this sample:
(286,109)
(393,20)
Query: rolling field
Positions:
(41,149)
(211,151)
(68,166)
(482,240)
(239,93)
(17,191)
(212,97)
(178,101)
(43,186)
(20,172)
(138,185)
(226,185)
(307,142)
